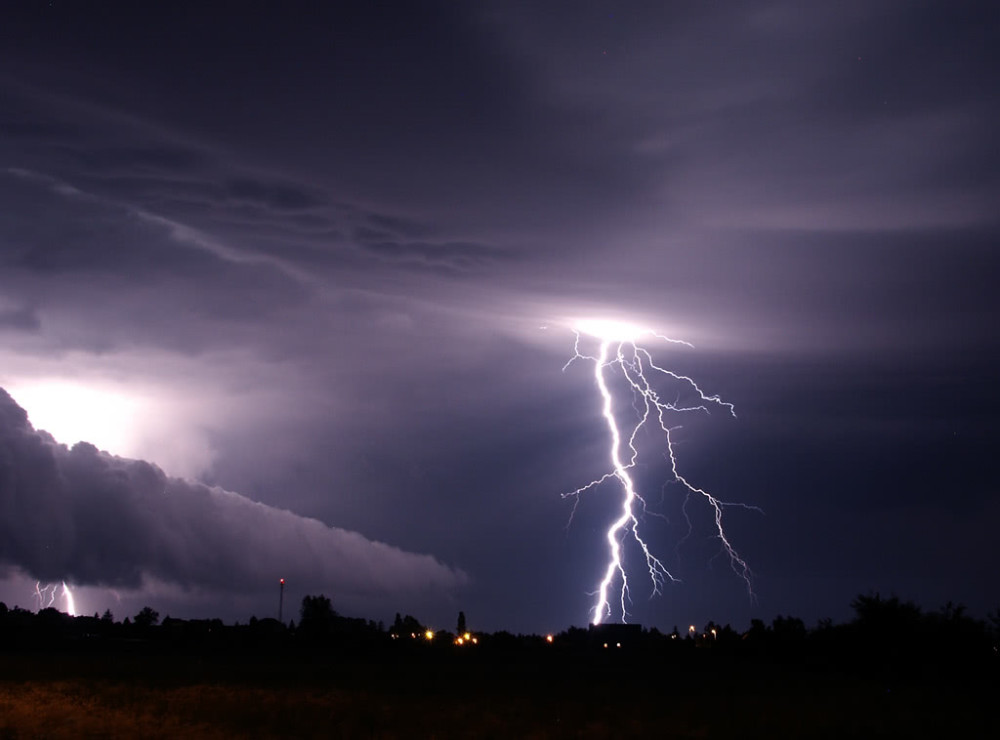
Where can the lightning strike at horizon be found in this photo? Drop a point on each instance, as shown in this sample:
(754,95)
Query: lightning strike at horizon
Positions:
(619,350)
(47,597)
(70,601)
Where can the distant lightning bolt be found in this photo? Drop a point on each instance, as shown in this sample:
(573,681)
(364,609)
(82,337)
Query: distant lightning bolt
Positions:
(47,595)
(70,601)
(618,350)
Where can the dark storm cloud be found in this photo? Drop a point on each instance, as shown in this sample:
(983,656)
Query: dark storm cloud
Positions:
(375,210)
(774,114)
(447,256)
(405,227)
(281,197)
(27,129)
(163,159)
(19,319)
(82,515)
(175,180)
(419,102)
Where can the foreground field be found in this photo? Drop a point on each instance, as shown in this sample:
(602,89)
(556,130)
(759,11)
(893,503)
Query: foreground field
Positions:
(73,710)
(160,696)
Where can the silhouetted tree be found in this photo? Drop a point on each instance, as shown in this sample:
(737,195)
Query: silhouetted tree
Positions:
(107,616)
(52,619)
(888,633)
(460,629)
(406,626)
(788,629)
(951,612)
(147,617)
(728,635)
(757,632)
(316,617)
(955,636)
(882,617)
(994,620)
(316,608)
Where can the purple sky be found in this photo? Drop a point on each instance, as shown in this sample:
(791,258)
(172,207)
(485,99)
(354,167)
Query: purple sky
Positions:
(301,259)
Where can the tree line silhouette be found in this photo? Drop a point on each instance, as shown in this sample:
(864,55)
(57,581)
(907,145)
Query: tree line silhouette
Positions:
(884,634)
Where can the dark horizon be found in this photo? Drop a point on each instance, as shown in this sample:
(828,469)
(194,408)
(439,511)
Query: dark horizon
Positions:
(891,670)
(874,617)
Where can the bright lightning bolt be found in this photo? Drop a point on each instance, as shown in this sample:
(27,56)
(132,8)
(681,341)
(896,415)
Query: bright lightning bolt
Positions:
(47,596)
(70,601)
(619,350)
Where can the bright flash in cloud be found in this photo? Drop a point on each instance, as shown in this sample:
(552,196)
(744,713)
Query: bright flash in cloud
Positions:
(611,330)
(148,421)
(619,352)
(73,412)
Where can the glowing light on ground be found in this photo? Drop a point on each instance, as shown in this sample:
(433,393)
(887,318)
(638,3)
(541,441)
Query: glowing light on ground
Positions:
(618,352)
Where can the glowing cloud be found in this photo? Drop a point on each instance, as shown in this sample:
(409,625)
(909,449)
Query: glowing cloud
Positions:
(77,515)
(146,420)
(610,330)
(72,412)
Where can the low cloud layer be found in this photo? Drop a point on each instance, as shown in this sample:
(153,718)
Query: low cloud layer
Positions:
(87,517)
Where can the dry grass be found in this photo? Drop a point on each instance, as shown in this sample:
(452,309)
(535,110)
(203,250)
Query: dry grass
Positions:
(418,701)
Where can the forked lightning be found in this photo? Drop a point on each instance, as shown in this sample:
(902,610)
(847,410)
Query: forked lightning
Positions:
(47,595)
(619,350)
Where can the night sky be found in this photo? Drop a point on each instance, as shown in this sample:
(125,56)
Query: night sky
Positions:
(305,275)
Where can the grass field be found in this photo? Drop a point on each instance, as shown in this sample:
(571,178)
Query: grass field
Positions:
(170,696)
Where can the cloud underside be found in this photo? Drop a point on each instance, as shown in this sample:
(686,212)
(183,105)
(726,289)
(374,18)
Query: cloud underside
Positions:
(90,518)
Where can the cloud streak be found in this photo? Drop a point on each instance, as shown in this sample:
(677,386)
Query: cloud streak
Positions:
(87,517)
